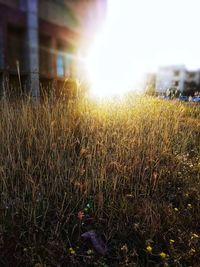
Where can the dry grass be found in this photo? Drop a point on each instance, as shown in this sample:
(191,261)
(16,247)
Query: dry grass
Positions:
(134,162)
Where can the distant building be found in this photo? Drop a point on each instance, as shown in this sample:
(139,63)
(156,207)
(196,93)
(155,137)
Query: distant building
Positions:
(170,77)
(40,39)
(176,78)
(192,83)
(193,77)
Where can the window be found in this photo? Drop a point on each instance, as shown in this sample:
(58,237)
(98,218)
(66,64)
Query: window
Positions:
(192,75)
(60,65)
(176,73)
(176,83)
(64,59)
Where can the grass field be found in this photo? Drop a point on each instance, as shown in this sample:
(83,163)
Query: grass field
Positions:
(129,170)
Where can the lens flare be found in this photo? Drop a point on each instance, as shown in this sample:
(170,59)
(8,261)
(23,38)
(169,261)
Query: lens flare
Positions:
(113,62)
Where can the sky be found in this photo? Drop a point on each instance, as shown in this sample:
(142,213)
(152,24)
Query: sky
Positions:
(138,36)
(160,32)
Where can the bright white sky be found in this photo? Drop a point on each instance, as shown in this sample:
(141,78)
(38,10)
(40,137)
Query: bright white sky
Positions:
(160,31)
(140,35)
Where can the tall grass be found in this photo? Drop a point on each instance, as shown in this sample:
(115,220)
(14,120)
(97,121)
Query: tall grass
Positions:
(136,162)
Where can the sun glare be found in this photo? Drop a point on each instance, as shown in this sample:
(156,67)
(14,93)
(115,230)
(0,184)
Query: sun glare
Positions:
(113,63)
(139,36)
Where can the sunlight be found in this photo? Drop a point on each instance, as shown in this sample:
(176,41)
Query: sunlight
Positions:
(137,37)
(113,63)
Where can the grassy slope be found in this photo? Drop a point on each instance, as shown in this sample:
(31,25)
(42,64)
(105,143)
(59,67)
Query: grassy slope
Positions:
(136,163)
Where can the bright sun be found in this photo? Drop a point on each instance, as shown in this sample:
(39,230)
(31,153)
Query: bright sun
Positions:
(137,37)
(113,63)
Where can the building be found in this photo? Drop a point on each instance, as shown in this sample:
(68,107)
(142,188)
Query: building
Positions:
(177,78)
(168,77)
(39,42)
(192,83)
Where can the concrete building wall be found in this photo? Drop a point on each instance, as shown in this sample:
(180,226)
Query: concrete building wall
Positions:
(57,12)
(10,3)
(170,77)
(82,16)
(2,52)
(41,38)
(178,78)
(17,4)
(2,58)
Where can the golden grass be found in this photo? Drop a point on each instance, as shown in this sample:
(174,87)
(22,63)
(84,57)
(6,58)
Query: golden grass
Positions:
(134,160)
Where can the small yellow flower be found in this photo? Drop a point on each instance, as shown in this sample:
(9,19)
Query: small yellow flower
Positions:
(176,209)
(186,194)
(72,251)
(149,248)
(90,252)
(163,255)
(171,241)
(189,205)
